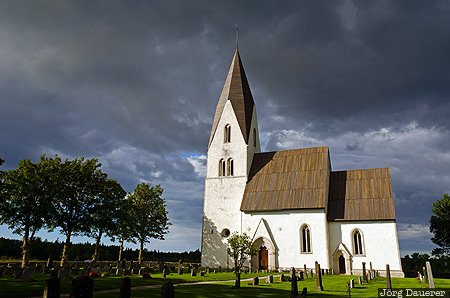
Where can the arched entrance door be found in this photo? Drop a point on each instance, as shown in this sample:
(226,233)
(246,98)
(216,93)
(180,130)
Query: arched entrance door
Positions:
(342,265)
(263,258)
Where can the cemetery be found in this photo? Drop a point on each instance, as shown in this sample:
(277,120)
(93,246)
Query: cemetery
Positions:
(127,279)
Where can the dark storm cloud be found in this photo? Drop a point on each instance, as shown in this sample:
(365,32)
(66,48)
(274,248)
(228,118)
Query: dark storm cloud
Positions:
(136,85)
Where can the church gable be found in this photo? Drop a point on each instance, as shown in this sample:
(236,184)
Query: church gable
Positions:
(291,179)
(361,195)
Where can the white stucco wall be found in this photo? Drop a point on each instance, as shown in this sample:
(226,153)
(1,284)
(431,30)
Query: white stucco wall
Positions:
(285,229)
(379,239)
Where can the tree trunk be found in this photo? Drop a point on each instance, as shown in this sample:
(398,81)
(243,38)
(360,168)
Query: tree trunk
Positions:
(237,281)
(25,249)
(65,251)
(141,252)
(121,250)
(97,247)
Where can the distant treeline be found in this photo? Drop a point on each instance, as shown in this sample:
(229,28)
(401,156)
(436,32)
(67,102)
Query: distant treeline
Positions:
(41,250)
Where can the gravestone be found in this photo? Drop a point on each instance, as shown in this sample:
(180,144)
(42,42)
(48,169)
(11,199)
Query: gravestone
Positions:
(26,275)
(312,273)
(193,272)
(294,286)
(17,273)
(82,287)
(256,281)
(202,273)
(166,271)
(125,288)
(50,262)
(52,288)
(419,276)
(168,290)
(425,276)
(370,266)
(429,274)
(349,289)
(360,280)
(352,283)
(364,272)
(388,278)
(301,275)
(120,272)
(304,292)
(270,279)
(306,271)
(319,286)
(282,277)
(63,273)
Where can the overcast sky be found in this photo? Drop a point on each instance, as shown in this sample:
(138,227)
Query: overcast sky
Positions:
(135,84)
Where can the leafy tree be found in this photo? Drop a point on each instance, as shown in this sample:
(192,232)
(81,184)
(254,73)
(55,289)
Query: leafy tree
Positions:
(240,249)
(76,186)
(439,225)
(24,204)
(149,215)
(105,212)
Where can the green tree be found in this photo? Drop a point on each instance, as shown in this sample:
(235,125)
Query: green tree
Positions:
(105,212)
(76,186)
(125,225)
(149,215)
(439,225)
(240,249)
(24,204)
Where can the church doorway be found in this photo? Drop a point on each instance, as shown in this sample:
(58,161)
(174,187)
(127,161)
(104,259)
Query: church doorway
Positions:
(342,265)
(263,258)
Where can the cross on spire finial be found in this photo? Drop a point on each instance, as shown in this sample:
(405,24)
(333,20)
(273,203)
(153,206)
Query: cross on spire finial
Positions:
(237,35)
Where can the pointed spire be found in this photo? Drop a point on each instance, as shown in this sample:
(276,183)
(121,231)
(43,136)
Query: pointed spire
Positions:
(237,91)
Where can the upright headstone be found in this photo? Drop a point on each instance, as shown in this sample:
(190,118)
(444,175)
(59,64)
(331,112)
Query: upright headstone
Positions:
(388,277)
(304,292)
(312,273)
(430,275)
(50,262)
(168,290)
(255,281)
(352,283)
(319,286)
(306,271)
(419,276)
(301,275)
(52,288)
(193,272)
(270,279)
(82,287)
(364,272)
(125,288)
(425,276)
(26,275)
(294,286)
(370,266)
(360,280)
(282,277)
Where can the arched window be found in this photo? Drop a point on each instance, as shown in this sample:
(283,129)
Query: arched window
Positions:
(222,167)
(230,169)
(227,134)
(254,137)
(358,248)
(305,239)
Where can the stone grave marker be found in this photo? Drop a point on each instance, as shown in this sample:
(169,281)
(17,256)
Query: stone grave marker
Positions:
(26,275)
(360,280)
(419,276)
(256,281)
(50,262)
(429,274)
(312,273)
(282,277)
(202,273)
(193,272)
(17,273)
(425,276)
(120,272)
(63,273)
(52,288)
(306,271)
(125,288)
(301,275)
(168,290)
(364,272)
(270,279)
(352,283)
(319,285)
(294,286)
(388,277)
(304,292)
(82,287)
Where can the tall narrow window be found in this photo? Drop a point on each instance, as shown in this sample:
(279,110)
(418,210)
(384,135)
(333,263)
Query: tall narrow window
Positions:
(222,167)
(254,137)
(227,134)
(230,170)
(305,239)
(357,243)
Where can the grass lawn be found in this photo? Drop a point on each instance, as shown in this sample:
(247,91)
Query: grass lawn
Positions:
(334,286)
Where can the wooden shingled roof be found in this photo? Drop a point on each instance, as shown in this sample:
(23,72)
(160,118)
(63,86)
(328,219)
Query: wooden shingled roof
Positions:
(237,90)
(291,179)
(361,195)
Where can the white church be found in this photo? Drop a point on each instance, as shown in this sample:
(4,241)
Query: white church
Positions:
(293,206)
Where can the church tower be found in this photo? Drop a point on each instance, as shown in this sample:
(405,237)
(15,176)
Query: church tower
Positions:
(233,142)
